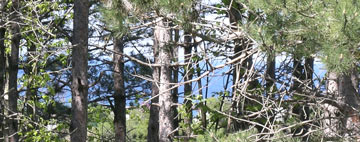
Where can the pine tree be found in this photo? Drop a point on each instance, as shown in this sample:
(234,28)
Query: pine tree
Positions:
(79,85)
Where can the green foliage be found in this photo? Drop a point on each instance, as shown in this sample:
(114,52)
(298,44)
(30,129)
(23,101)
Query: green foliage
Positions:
(116,17)
(101,127)
(100,123)
(43,130)
(303,28)
(137,124)
(221,136)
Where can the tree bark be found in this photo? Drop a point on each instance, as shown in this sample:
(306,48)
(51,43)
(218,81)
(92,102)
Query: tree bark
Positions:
(79,84)
(175,75)
(11,75)
(2,78)
(119,95)
(351,100)
(153,126)
(270,73)
(341,88)
(166,118)
(330,124)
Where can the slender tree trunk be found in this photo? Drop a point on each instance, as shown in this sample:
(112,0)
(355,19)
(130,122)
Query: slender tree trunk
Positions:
(119,96)
(153,126)
(79,85)
(188,87)
(270,73)
(30,90)
(165,98)
(175,75)
(11,75)
(297,73)
(2,76)
(2,68)
(203,104)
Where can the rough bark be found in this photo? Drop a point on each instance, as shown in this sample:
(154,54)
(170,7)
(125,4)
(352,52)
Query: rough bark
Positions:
(351,100)
(188,86)
(342,120)
(119,95)
(330,124)
(11,75)
(79,84)
(153,126)
(165,98)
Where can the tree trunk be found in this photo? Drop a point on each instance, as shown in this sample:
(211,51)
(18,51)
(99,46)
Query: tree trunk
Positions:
(30,90)
(153,126)
(2,68)
(119,96)
(330,124)
(2,78)
(341,88)
(79,84)
(270,73)
(175,75)
(351,100)
(202,111)
(188,86)
(165,98)
(11,75)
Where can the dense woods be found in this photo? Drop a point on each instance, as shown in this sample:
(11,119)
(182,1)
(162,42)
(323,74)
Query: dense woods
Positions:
(179,70)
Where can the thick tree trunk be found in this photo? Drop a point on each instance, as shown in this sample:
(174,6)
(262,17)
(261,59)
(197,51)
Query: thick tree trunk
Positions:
(165,98)
(79,84)
(330,123)
(188,86)
(11,76)
(341,88)
(119,96)
(351,100)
